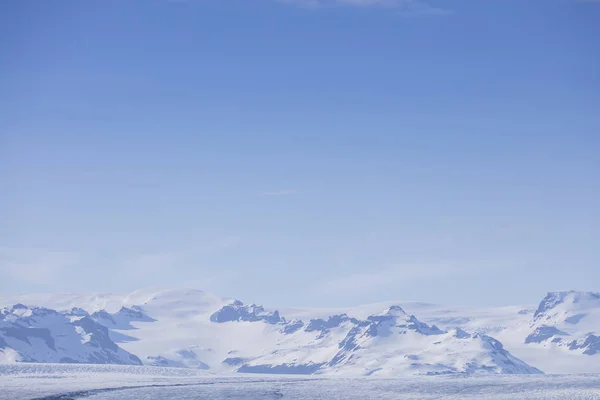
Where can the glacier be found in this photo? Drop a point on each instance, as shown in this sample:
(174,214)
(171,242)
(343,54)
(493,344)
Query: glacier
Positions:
(109,382)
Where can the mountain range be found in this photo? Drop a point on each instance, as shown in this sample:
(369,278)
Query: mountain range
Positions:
(189,328)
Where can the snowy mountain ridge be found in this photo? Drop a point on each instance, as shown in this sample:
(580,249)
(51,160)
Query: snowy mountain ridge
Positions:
(568,319)
(40,334)
(195,329)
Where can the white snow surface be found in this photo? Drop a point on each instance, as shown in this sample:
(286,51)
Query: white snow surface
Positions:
(109,382)
(180,333)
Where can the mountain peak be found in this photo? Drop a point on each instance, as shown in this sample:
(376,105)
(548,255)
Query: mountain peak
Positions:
(571,298)
(238,312)
(395,311)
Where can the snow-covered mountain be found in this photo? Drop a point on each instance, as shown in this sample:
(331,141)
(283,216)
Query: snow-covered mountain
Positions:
(195,329)
(568,320)
(36,334)
(389,344)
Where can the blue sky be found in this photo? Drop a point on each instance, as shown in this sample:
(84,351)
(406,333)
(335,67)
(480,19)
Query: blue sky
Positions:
(318,153)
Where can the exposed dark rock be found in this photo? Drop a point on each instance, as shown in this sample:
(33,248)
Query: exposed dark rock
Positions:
(543,333)
(591,344)
(237,311)
(234,361)
(292,327)
(333,321)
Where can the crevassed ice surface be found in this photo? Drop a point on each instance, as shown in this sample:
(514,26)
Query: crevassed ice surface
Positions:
(104,382)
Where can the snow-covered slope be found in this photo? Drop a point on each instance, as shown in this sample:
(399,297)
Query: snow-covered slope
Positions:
(570,320)
(558,336)
(563,333)
(190,328)
(390,343)
(126,382)
(43,335)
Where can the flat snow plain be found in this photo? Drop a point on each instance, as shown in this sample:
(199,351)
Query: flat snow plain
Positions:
(104,382)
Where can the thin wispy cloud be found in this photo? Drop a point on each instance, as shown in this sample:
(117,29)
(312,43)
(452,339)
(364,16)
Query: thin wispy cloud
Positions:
(369,282)
(144,267)
(45,267)
(281,192)
(154,262)
(37,266)
(418,8)
(220,244)
(147,263)
(353,3)
(403,7)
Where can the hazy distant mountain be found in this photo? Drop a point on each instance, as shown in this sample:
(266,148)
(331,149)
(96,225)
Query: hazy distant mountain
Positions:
(195,329)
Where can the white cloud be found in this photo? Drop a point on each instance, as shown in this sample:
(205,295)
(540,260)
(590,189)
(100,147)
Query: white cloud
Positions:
(153,262)
(37,266)
(369,282)
(224,243)
(354,3)
(57,268)
(281,192)
(416,8)
(150,262)
(404,7)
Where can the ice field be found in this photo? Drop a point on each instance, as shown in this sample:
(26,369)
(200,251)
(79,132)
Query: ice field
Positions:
(104,382)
